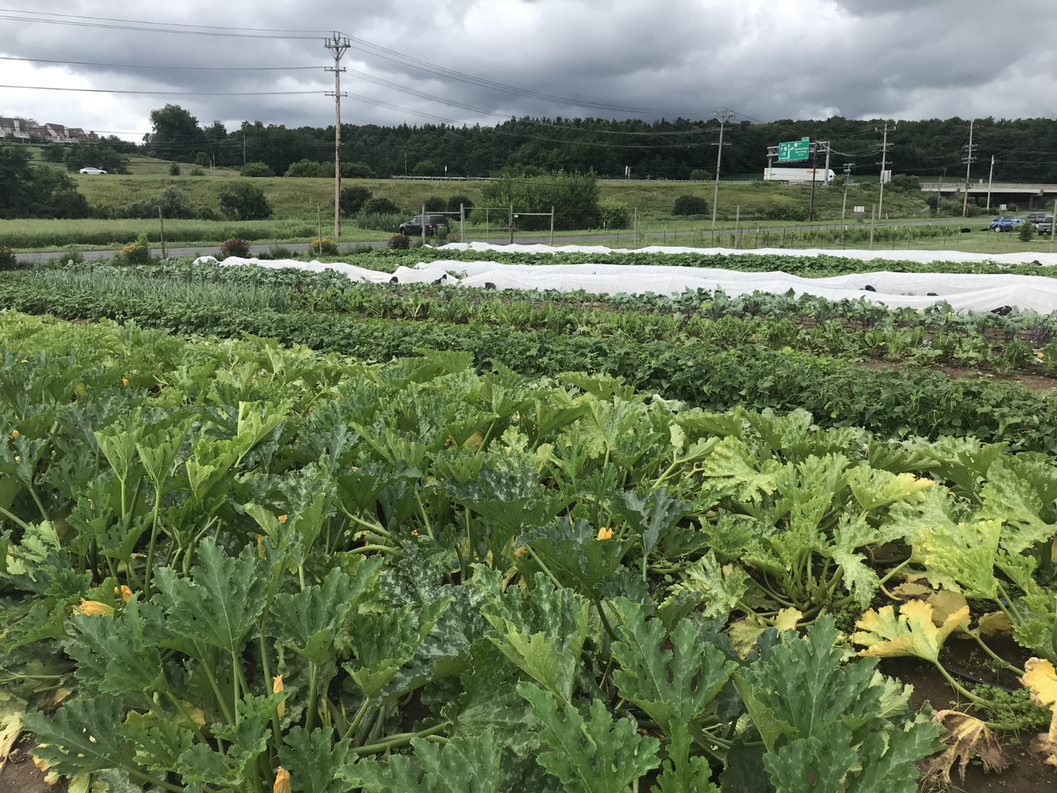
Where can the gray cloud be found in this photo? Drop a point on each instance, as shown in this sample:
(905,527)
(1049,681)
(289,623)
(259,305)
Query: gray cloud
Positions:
(765,58)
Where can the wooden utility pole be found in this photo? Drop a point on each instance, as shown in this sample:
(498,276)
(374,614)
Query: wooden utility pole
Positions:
(338,46)
(161,220)
(969,160)
(990,180)
(884,163)
(724,116)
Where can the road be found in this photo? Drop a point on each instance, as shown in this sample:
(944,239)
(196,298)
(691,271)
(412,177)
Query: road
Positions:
(623,238)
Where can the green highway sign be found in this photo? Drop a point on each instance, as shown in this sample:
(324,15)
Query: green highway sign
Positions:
(794,150)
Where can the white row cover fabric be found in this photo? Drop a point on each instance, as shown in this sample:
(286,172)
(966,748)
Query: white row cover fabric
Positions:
(1027,257)
(964,292)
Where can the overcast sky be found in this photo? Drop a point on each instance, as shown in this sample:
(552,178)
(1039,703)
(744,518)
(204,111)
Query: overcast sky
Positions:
(766,59)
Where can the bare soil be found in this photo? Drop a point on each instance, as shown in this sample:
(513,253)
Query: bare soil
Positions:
(1027,773)
(19,775)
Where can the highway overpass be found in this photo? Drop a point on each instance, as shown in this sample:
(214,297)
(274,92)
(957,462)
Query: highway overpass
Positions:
(1024,195)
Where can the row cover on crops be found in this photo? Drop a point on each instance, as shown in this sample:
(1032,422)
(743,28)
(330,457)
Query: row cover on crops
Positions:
(228,565)
(876,257)
(969,292)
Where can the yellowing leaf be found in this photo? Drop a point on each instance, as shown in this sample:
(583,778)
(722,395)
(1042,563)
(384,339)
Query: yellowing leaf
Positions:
(1040,679)
(994,623)
(912,633)
(11,711)
(912,589)
(787,619)
(966,737)
(944,603)
(743,635)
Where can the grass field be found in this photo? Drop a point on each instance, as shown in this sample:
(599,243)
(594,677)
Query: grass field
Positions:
(297,203)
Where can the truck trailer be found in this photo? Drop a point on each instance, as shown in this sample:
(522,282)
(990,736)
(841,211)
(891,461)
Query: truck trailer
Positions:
(798,175)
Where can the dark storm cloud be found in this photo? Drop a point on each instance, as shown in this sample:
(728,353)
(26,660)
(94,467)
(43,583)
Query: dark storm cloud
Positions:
(766,59)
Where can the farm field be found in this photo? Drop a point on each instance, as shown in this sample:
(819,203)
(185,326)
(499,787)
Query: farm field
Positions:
(263,526)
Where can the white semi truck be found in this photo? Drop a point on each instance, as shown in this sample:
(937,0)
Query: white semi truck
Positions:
(798,175)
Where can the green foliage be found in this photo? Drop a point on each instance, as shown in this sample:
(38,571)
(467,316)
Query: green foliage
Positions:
(94,155)
(1027,232)
(175,132)
(8,260)
(243,201)
(700,175)
(308,168)
(613,214)
(574,198)
(174,169)
(256,169)
(354,170)
(690,205)
(352,199)
(456,201)
(597,754)
(378,206)
(400,242)
(906,184)
(462,764)
(28,192)
(828,723)
(439,575)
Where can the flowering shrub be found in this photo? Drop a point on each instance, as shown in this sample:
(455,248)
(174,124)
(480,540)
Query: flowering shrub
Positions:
(235,247)
(400,242)
(325,247)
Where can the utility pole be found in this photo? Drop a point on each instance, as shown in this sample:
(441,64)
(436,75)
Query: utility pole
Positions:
(338,46)
(884,164)
(969,160)
(847,179)
(243,148)
(724,116)
(939,193)
(990,179)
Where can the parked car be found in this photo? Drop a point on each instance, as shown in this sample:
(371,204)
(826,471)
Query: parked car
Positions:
(1038,217)
(413,227)
(1045,226)
(92,171)
(1007,224)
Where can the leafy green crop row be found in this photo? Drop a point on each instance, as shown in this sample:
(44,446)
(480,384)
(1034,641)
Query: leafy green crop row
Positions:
(237,565)
(1002,343)
(888,402)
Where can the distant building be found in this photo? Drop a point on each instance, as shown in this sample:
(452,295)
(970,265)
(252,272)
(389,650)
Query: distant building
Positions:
(27,130)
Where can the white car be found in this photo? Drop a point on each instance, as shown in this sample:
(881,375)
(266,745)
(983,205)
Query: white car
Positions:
(92,171)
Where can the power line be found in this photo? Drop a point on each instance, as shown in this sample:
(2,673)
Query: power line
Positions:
(155,29)
(426,66)
(165,67)
(160,93)
(154,22)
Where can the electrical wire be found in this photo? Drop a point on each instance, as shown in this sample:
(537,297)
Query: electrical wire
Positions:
(229,33)
(150,22)
(165,67)
(162,93)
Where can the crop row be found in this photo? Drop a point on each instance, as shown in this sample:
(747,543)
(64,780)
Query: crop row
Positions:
(888,402)
(942,337)
(229,565)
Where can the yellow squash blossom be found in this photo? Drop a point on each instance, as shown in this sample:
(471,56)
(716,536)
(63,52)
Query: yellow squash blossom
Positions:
(93,608)
(277,688)
(605,534)
(282,781)
(283,518)
(124,592)
(15,435)
(124,382)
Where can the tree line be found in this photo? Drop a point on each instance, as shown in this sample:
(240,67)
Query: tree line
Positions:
(1024,149)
